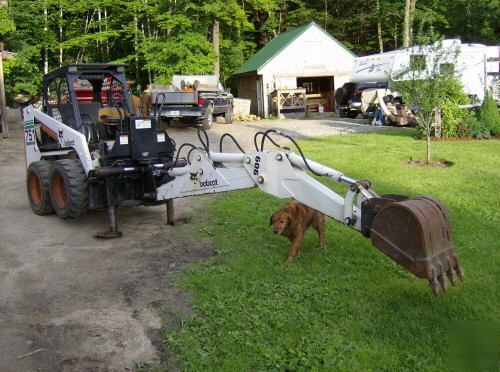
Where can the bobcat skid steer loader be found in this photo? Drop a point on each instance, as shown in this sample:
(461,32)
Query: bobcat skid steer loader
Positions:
(89,148)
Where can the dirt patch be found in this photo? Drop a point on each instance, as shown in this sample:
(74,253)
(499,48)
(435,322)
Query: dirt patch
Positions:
(439,163)
(89,304)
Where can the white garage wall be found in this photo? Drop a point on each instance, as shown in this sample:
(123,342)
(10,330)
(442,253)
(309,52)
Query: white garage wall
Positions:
(313,53)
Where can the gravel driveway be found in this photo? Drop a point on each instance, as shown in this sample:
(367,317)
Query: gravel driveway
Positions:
(317,126)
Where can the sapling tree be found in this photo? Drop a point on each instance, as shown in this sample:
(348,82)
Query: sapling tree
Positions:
(426,80)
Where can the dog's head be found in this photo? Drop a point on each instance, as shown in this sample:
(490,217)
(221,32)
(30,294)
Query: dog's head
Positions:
(280,221)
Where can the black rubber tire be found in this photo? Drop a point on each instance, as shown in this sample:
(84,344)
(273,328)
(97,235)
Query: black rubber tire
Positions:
(37,186)
(69,188)
(351,114)
(228,116)
(208,120)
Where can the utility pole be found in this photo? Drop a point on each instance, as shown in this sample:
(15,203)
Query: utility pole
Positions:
(3,104)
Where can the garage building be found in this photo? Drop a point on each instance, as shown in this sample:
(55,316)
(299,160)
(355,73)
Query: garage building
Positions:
(306,57)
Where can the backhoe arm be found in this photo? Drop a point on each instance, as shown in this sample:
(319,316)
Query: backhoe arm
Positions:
(414,232)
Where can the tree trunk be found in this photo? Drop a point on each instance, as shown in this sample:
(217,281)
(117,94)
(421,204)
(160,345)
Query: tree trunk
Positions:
(106,29)
(215,45)
(408,22)
(136,47)
(3,104)
(395,36)
(45,29)
(413,4)
(379,27)
(326,14)
(428,146)
(406,25)
(99,45)
(60,33)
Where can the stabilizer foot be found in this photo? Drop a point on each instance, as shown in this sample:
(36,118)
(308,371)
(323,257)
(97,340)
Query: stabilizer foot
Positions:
(108,234)
(170,212)
(113,226)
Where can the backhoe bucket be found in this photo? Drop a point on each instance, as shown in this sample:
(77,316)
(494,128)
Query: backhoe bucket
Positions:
(416,233)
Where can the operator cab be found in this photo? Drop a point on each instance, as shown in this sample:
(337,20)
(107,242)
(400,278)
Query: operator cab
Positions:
(95,100)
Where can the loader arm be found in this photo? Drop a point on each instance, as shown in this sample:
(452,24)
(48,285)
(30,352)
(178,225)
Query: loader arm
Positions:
(414,232)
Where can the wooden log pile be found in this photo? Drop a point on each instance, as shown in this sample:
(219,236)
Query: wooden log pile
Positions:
(242,117)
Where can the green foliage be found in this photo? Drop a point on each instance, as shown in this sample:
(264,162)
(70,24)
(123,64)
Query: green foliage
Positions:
(348,307)
(188,53)
(6,23)
(18,69)
(470,127)
(451,114)
(489,117)
(137,31)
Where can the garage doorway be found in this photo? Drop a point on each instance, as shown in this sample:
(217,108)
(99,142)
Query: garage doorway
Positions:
(319,92)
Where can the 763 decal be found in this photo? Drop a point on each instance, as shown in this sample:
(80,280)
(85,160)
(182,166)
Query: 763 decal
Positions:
(29,132)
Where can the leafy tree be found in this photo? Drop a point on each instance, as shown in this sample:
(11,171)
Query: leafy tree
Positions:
(6,23)
(158,38)
(426,83)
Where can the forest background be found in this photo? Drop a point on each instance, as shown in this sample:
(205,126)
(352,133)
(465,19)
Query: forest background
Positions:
(158,38)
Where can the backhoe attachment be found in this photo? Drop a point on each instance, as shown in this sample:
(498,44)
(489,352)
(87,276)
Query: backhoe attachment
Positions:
(416,234)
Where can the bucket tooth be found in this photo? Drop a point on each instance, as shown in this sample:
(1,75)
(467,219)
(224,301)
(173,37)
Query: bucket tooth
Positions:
(436,288)
(452,276)
(443,283)
(416,234)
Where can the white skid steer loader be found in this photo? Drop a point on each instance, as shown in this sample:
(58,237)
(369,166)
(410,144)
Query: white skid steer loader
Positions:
(94,150)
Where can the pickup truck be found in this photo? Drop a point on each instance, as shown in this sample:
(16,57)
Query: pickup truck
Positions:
(192,100)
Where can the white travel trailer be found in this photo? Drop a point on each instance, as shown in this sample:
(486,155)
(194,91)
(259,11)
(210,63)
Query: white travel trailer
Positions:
(476,65)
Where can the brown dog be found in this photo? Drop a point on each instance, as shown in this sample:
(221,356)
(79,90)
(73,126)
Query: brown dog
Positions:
(292,220)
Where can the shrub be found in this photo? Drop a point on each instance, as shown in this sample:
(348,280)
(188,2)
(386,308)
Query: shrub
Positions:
(489,117)
(470,127)
(451,115)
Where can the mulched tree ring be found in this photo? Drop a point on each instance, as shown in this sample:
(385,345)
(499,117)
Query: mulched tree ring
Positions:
(436,163)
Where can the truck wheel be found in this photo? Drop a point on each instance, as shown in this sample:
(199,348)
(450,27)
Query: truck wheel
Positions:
(228,116)
(352,114)
(69,188)
(208,120)
(37,184)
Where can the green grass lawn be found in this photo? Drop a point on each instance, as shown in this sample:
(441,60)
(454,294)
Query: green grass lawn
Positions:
(348,307)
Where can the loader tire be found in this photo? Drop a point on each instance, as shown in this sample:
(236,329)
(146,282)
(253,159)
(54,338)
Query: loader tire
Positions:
(69,188)
(37,184)
(208,120)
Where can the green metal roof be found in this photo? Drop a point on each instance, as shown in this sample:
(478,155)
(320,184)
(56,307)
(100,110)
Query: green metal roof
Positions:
(276,45)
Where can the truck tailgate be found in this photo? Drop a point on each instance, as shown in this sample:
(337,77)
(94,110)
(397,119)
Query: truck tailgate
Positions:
(174,98)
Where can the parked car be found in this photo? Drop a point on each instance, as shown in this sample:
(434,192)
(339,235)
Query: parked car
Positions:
(348,98)
(192,100)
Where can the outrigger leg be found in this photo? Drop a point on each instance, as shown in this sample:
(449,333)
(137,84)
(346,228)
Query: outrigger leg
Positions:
(113,231)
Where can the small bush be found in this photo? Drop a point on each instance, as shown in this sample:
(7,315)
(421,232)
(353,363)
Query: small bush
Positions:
(451,115)
(470,127)
(489,117)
